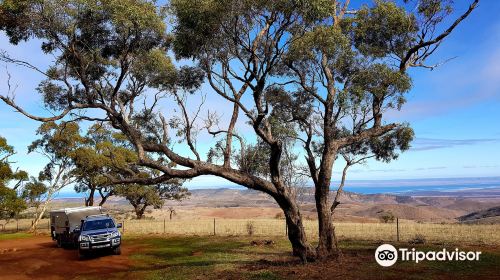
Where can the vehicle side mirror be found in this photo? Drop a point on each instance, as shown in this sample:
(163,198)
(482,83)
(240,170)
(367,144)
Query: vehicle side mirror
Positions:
(119,225)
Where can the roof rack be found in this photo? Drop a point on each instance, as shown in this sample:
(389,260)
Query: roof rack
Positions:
(77,209)
(97,215)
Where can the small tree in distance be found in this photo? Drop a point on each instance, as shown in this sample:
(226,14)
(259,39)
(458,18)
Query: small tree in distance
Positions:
(171,212)
(143,196)
(387,217)
(103,153)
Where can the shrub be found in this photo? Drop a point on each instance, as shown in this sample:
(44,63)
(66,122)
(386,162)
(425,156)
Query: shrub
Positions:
(418,239)
(387,217)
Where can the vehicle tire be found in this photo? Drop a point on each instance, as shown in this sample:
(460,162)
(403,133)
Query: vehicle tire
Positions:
(117,250)
(59,241)
(81,255)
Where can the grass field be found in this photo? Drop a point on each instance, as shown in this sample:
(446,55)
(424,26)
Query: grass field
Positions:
(445,233)
(235,258)
(16,235)
(230,257)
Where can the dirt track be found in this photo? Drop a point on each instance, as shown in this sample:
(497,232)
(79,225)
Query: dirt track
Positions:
(39,258)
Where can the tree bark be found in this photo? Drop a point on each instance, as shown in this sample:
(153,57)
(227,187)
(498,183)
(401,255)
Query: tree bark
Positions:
(327,246)
(296,233)
(90,200)
(326,243)
(39,216)
(104,197)
(42,211)
(139,211)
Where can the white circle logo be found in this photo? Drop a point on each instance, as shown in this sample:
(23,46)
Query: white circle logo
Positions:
(386,255)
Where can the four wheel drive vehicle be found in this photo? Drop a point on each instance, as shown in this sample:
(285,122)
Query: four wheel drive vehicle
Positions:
(85,228)
(99,232)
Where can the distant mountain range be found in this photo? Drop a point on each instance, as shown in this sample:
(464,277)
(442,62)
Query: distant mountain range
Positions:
(452,202)
(465,187)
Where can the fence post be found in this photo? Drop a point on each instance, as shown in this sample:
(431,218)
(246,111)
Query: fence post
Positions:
(214,226)
(397,228)
(164,226)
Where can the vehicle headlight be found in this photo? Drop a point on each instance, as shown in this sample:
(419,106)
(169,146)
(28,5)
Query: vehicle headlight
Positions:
(84,238)
(115,234)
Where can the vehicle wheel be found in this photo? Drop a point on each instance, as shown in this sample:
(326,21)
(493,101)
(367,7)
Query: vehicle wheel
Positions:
(117,251)
(81,255)
(59,241)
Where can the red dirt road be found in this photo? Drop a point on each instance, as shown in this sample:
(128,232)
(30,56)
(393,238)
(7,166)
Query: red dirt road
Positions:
(39,258)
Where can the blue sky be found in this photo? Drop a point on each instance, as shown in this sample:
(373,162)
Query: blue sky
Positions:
(454,109)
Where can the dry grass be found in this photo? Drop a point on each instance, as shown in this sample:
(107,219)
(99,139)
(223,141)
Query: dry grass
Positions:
(451,233)
(23,224)
(472,234)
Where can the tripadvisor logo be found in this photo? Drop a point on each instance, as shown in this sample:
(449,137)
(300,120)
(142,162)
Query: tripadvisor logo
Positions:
(387,255)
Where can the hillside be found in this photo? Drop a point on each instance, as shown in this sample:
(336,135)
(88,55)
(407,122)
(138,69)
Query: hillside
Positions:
(249,204)
(357,207)
(491,215)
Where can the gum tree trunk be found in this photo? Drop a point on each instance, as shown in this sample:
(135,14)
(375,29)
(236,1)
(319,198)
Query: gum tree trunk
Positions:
(139,210)
(296,233)
(327,245)
(39,216)
(90,200)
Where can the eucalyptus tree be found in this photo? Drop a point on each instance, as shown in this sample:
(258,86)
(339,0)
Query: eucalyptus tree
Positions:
(102,153)
(322,70)
(56,142)
(313,78)
(143,196)
(11,182)
(36,197)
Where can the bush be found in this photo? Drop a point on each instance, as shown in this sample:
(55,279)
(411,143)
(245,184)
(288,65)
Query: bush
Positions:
(387,217)
(418,239)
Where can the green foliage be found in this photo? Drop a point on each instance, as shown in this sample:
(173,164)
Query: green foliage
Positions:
(92,160)
(154,68)
(102,35)
(143,196)
(199,23)
(17,235)
(102,154)
(202,26)
(11,202)
(387,217)
(384,29)
(33,190)
(88,160)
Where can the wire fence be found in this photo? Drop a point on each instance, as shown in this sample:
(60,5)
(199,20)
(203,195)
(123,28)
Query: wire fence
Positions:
(405,231)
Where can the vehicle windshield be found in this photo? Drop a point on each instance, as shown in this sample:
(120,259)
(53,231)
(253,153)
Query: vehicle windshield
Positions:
(98,224)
